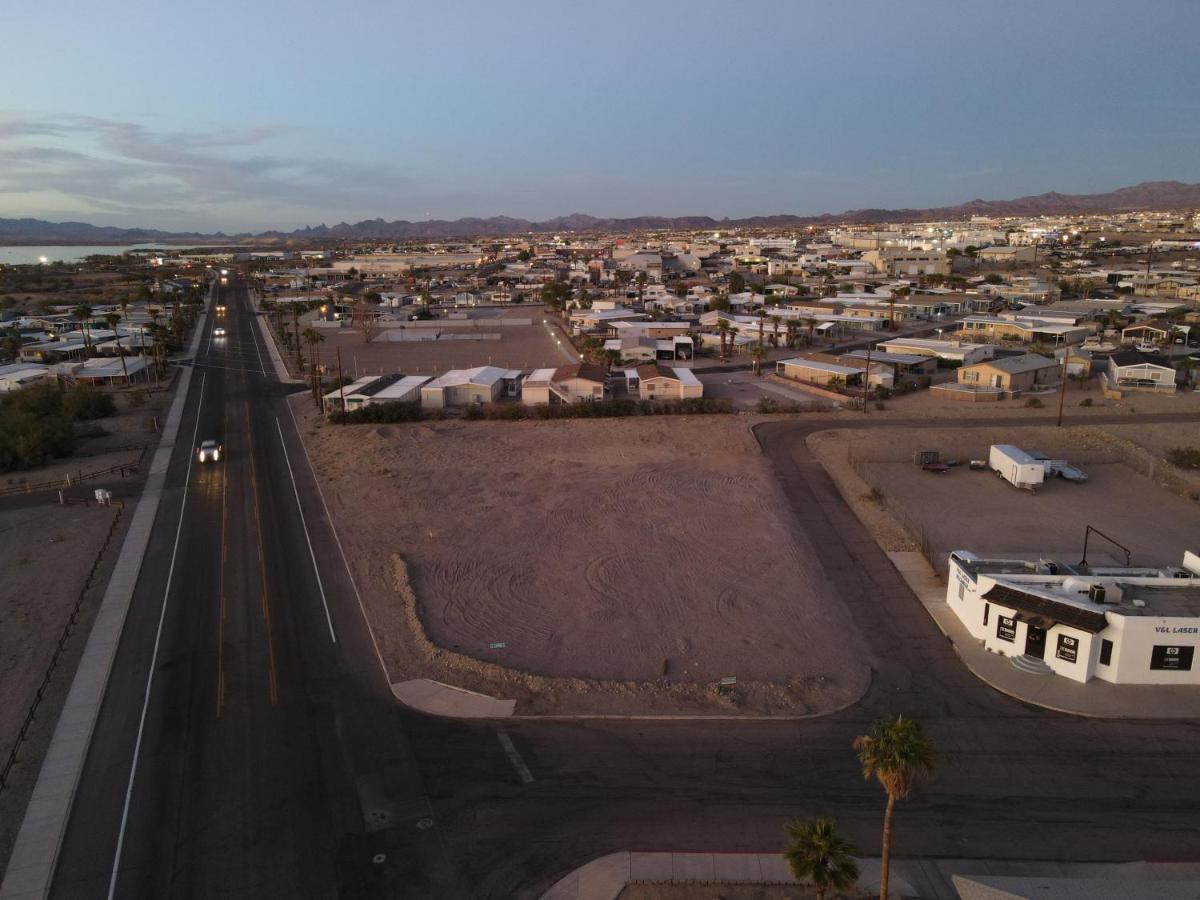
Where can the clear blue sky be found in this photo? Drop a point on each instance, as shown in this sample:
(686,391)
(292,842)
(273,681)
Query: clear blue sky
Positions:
(266,113)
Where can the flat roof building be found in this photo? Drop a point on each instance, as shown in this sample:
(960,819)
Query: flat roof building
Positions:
(1122,624)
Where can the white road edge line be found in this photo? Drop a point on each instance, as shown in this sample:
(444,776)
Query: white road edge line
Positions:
(137,746)
(254,337)
(300,509)
(514,757)
(337,540)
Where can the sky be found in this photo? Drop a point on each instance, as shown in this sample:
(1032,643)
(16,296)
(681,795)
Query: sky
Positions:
(271,114)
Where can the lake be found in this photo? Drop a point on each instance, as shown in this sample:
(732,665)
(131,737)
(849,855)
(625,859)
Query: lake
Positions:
(18,256)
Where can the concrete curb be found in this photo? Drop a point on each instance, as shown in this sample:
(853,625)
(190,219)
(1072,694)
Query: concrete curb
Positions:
(436,698)
(35,853)
(281,371)
(604,878)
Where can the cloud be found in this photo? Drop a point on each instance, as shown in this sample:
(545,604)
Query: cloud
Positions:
(127,169)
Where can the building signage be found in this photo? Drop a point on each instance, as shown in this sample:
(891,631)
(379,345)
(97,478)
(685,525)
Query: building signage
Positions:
(1176,659)
(1006,628)
(1068,648)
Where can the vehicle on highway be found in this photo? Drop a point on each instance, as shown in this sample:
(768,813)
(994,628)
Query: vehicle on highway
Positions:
(218,332)
(209,451)
(221,309)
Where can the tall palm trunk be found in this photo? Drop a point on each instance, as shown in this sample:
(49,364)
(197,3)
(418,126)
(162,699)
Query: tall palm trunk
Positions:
(885,854)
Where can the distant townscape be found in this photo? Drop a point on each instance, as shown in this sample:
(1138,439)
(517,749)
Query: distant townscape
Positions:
(775,471)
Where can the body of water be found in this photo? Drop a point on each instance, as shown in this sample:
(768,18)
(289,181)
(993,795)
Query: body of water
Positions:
(21,256)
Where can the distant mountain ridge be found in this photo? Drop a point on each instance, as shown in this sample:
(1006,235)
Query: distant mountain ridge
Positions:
(1149,195)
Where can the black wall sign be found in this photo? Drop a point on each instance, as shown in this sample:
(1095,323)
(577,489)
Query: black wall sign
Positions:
(1006,628)
(1176,659)
(1068,648)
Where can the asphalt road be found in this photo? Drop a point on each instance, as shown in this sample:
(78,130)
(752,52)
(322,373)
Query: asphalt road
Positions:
(274,763)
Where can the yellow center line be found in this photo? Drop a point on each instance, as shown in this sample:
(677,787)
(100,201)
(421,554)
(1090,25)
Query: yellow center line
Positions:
(221,597)
(262,565)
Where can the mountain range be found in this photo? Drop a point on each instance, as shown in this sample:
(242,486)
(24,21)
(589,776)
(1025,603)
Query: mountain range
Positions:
(1149,195)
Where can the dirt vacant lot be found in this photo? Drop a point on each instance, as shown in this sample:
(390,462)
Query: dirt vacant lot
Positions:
(45,555)
(508,346)
(627,564)
(980,512)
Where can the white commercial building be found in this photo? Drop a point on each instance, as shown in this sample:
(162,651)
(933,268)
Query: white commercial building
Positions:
(1123,624)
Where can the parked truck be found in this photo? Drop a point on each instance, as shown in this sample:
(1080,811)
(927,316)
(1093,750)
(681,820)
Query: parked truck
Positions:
(1017,467)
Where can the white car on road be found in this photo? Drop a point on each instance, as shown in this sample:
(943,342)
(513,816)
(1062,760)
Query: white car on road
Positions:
(209,451)
(218,332)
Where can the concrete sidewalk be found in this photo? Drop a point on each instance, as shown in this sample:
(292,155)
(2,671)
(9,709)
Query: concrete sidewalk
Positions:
(1097,698)
(440,699)
(930,879)
(35,853)
(281,369)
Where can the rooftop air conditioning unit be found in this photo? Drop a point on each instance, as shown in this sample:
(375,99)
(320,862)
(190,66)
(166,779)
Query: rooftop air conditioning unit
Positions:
(1096,593)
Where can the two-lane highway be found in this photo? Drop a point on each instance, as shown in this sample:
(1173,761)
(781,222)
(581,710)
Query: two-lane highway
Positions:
(266,763)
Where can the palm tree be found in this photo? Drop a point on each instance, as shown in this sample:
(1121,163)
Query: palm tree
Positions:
(83,314)
(313,337)
(775,321)
(810,324)
(836,383)
(896,753)
(791,333)
(762,317)
(891,302)
(756,354)
(723,332)
(817,853)
(111,320)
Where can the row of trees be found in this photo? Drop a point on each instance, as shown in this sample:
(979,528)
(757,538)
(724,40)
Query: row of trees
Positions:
(38,424)
(897,754)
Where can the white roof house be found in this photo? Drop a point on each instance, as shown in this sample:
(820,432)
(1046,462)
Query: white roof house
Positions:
(104,370)
(374,389)
(460,387)
(18,375)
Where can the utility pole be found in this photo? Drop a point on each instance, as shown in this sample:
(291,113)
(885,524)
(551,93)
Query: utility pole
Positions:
(867,378)
(1062,388)
(341,381)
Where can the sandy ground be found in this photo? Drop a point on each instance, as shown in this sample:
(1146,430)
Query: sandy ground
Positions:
(627,564)
(45,555)
(906,507)
(731,892)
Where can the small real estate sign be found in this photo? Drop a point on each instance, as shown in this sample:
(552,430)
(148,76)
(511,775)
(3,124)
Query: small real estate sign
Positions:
(1068,648)
(1006,628)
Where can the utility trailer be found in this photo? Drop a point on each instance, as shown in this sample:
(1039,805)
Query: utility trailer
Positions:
(1017,467)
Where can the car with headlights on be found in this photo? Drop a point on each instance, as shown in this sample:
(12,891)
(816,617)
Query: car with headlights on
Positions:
(209,451)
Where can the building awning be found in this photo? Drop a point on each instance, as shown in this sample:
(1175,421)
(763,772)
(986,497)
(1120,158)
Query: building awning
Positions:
(1045,612)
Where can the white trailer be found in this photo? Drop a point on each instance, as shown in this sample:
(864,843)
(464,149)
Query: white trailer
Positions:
(1016,466)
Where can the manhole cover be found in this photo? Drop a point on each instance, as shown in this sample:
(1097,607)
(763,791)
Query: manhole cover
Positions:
(379,859)
(425,824)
